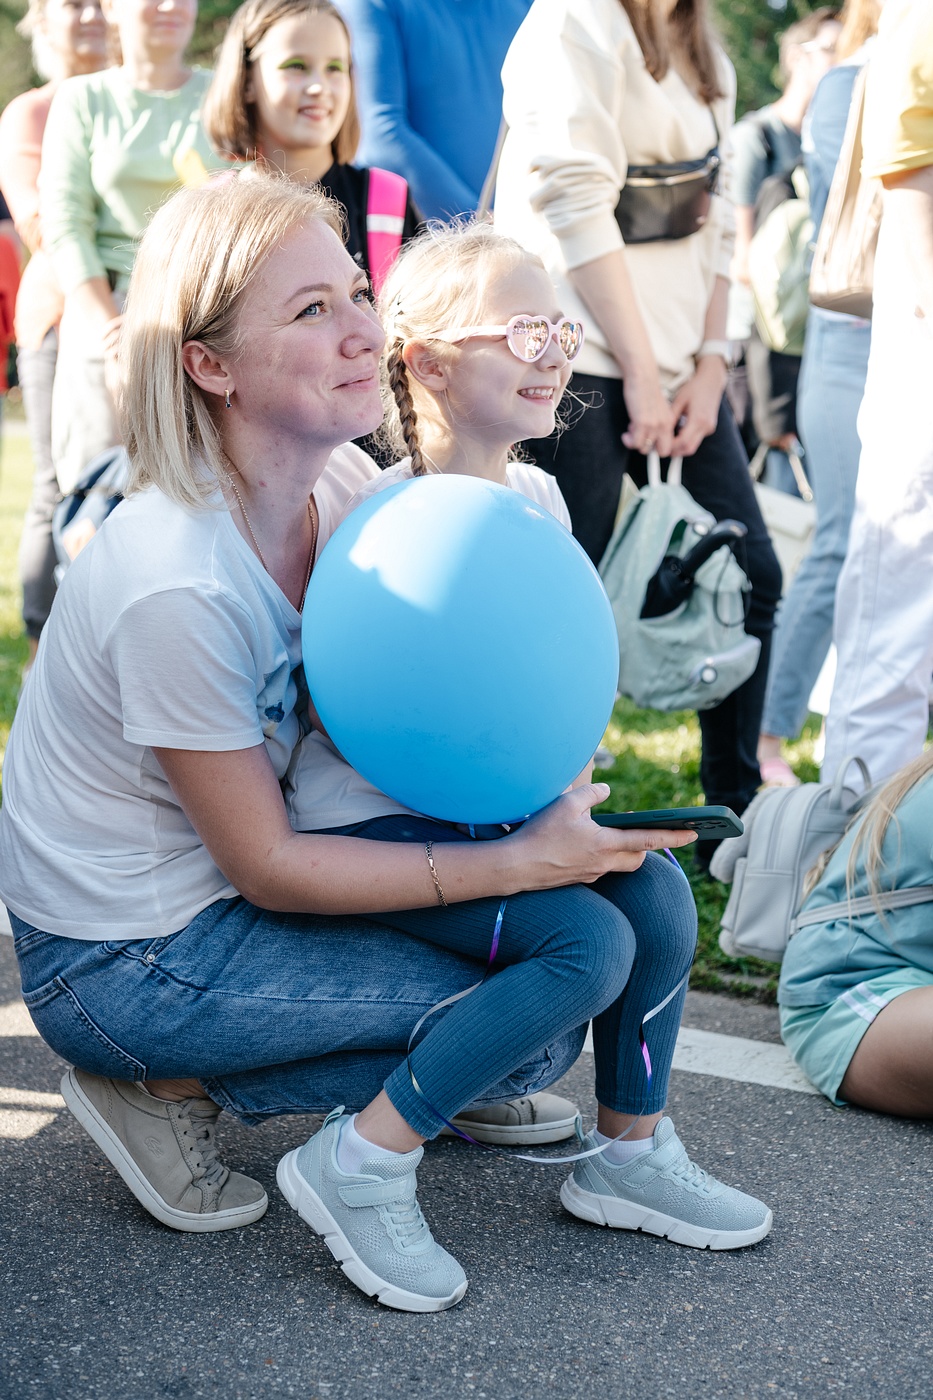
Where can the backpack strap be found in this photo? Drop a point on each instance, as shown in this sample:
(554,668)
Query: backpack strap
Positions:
(386,203)
(865,904)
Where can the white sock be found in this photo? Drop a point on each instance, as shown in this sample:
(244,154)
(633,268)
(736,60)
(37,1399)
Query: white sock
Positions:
(625,1151)
(353,1150)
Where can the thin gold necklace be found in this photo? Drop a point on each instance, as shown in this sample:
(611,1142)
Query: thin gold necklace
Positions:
(252,534)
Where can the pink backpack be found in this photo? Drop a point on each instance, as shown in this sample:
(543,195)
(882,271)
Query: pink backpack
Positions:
(386,203)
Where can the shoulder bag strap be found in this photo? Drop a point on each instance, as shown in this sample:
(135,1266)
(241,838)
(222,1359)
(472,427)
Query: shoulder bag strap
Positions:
(386,202)
(865,904)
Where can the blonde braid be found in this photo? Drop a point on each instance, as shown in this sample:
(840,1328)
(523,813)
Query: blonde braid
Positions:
(408,418)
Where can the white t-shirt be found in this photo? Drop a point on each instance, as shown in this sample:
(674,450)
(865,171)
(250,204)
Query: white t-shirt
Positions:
(322,790)
(166,632)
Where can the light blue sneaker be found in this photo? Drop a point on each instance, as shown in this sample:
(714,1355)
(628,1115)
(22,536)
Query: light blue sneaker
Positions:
(372,1222)
(664,1193)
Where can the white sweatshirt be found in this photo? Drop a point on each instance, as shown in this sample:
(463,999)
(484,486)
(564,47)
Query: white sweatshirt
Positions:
(581,107)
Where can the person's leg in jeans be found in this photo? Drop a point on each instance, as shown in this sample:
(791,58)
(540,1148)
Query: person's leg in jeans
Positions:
(37,560)
(831,387)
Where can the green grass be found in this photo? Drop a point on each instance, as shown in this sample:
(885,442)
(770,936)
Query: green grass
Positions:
(657,764)
(657,756)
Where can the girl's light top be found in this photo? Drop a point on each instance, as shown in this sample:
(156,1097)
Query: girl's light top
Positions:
(111,155)
(322,789)
(167,632)
(581,107)
(824,961)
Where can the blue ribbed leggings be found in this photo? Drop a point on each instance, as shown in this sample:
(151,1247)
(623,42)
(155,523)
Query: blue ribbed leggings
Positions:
(609,952)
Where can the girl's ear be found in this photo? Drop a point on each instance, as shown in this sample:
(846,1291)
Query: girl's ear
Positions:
(205,369)
(422,364)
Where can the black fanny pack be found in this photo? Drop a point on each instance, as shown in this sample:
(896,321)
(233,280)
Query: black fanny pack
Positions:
(660,203)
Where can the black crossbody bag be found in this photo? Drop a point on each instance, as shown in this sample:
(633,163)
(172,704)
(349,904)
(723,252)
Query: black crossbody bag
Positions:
(661,203)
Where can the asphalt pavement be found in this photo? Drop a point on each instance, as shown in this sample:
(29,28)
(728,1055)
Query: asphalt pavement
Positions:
(99,1302)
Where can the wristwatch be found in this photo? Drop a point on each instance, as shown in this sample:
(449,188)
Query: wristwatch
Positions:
(722,348)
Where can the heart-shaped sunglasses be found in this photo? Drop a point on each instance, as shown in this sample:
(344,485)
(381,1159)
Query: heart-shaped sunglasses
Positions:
(528,337)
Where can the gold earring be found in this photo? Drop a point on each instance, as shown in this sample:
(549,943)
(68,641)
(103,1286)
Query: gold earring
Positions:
(227,404)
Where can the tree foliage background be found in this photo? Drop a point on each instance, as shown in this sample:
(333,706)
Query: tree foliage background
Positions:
(749,29)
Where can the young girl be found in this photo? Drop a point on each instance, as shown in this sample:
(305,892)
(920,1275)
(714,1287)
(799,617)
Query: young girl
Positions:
(478,356)
(856,993)
(459,392)
(283,97)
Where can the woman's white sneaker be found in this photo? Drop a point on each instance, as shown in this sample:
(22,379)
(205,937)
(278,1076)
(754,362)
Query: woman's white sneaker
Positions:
(663,1193)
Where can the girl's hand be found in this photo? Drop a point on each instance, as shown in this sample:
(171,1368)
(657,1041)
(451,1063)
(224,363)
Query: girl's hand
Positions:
(562,845)
(696,405)
(651,418)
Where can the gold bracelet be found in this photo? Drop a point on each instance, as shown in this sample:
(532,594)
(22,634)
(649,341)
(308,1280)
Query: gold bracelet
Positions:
(428,848)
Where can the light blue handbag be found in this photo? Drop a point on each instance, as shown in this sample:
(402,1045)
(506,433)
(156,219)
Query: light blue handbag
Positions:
(669,557)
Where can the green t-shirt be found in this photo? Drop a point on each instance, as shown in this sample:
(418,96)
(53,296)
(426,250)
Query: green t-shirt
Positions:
(824,960)
(111,155)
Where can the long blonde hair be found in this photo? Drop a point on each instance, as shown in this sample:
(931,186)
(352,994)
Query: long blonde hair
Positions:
(227,117)
(441,278)
(874,822)
(197,258)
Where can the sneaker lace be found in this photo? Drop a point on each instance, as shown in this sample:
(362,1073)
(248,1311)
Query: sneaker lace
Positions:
(694,1177)
(200,1127)
(408,1224)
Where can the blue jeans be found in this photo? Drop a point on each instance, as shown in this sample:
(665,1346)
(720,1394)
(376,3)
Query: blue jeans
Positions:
(286,1013)
(835,363)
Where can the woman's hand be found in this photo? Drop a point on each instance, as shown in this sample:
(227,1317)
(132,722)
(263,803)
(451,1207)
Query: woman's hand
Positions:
(651,417)
(562,845)
(696,405)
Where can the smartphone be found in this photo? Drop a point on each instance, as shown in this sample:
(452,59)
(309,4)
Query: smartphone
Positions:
(710,823)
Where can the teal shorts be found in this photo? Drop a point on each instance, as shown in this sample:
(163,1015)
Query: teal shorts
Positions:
(823,1039)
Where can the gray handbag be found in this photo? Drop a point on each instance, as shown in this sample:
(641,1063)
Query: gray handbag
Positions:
(679,598)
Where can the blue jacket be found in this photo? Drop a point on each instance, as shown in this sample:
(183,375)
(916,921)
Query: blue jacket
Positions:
(429,91)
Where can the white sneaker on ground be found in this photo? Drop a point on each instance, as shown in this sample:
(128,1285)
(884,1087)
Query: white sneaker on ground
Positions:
(663,1193)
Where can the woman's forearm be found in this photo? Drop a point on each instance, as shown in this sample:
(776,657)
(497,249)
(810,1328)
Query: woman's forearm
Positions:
(717,312)
(234,803)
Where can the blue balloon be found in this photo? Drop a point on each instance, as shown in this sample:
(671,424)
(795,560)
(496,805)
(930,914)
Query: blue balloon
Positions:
(460,649)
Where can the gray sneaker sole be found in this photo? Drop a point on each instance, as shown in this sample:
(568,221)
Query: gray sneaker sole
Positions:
(619,1214)
(517,1135)
(145,1193)
(314,1212)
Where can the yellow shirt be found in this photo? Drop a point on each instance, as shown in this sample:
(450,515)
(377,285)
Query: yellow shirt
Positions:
(898,130)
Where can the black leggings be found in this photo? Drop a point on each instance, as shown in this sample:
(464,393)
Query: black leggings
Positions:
(589,460)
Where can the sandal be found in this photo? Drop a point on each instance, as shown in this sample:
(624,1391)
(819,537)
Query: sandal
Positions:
(775,773)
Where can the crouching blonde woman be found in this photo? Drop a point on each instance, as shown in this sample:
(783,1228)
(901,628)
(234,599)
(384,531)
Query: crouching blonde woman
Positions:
(179,944)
